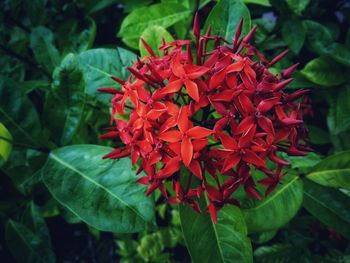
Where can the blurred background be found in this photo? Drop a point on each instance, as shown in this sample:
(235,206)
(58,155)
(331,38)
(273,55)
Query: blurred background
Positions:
(55,54)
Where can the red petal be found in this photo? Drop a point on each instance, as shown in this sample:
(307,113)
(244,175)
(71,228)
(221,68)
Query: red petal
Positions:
(192,89)
(235,67)
(196,169)
(170,136)
(198,132)
(245,125)
(253,158)
(228,142)
(266,125)
(266,105)
(177,67)
(231,161)
(172,87)
(199,144)
(182,121)
(186,151)
(217,79)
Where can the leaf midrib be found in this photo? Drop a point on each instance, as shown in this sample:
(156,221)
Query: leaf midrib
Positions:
(325,206)
(328,171)
(56,158)
(277,193)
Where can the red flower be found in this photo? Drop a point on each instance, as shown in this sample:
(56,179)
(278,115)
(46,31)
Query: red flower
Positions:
(219,116)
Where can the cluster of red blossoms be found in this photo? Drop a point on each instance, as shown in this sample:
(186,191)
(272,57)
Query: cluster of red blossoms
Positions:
(217,115)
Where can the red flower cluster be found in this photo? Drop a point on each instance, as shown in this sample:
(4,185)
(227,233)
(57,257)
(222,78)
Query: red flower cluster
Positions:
(216,115)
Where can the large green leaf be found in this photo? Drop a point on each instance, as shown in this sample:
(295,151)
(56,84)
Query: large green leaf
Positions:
(278,208)
(137,21)
(153,36)
(103,193)
(64,105)
(319,37)
(26,245)
(18,114)
(323,71)
(5,142)
(225,16)
(45,53)
(328,205)
(98,65)
(294,41)
(224,242)
(338,118)
(333,171)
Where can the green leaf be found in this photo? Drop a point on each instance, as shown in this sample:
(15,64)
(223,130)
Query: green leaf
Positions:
(33,220)
(295,40)
(339,53)
(153,36)
(324,72)
(297,6)
(64,105)
(278,252)
(334,171)
(226,241)
(98,65)
(42,44)
(5,142)
(303,163)
(18,114)
(163,15)
(338,118)
(225,16)
(103,193)
(258,2)
(276,209)
(328,205)
(319,37)
(25,245)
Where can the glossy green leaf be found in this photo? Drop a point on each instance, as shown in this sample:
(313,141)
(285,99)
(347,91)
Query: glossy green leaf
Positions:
(276,209)
(5,142)
(64,106)
(163,15)
(333,171)
(318,36)
(258,2)
(338,118)
(153,36)
(42,44)
(295,40)
(225,16)
(226,241)
(98,65)
(18,114)
(26,246)
(103,193)
(297,6)
(339,53)
(323,71)
(328,205)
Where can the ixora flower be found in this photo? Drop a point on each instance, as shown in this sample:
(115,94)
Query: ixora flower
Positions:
(201,123)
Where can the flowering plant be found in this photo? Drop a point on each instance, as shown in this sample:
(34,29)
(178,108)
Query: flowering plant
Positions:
(219,113)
